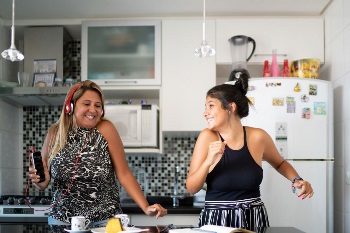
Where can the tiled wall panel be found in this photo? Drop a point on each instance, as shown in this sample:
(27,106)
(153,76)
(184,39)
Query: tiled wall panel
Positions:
(157,170)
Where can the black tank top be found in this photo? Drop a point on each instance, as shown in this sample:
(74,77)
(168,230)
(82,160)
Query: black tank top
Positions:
(235,177)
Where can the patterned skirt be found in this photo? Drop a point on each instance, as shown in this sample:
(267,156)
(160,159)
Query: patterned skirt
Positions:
(248,214)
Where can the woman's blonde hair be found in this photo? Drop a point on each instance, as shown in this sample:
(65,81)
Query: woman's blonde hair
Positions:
(59,131)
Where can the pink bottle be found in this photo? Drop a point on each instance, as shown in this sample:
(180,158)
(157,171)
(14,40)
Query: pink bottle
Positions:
(275,69)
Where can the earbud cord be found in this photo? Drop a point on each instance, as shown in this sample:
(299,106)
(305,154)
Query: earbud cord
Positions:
(70,184)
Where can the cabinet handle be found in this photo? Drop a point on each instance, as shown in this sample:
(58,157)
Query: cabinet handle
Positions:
(266,54)
(120,82)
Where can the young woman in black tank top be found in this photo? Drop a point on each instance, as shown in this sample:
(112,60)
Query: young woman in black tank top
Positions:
(228,158)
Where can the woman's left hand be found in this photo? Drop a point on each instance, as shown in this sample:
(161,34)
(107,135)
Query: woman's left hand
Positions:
(306,189)
(156,210)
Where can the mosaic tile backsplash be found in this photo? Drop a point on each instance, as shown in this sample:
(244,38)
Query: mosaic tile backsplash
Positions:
(155,172)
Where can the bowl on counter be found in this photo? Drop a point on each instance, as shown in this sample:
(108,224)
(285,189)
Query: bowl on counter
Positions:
(305,68)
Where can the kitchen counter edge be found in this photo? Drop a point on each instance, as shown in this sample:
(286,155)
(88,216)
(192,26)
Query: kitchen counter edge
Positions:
(171,209)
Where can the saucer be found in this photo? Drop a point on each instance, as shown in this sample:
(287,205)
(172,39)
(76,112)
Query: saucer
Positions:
(78,231)
(98,230)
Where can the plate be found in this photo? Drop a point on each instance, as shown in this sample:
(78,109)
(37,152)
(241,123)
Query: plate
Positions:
(127,230)
(78,231)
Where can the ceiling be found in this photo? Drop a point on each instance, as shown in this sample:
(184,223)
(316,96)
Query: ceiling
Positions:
(77,9)
(72,12)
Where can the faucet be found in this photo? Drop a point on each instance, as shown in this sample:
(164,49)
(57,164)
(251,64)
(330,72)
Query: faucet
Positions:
(176,196)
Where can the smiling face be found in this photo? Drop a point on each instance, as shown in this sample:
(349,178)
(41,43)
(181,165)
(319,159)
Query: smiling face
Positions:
(88,109)
(215,115)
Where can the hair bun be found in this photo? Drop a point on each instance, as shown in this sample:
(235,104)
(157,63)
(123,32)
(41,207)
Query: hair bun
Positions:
(242,82)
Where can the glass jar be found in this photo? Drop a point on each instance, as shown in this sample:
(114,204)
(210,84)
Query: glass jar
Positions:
(69,82)
(58,82)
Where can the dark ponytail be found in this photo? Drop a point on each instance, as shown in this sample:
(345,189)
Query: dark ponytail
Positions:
(228,93)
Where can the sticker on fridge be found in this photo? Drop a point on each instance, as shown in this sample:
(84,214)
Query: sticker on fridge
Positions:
(312,89)
(320,108)
(305,113)
(290,104)
(277,101)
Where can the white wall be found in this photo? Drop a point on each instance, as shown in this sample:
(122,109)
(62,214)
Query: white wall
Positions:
(337,69)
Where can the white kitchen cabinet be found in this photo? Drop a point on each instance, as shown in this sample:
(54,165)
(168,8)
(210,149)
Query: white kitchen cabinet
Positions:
(293,37)
(121,52)
(176,219)
(41,43)
(185,77)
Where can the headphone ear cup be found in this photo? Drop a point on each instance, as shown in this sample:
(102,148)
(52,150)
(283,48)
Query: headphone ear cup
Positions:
(71,109)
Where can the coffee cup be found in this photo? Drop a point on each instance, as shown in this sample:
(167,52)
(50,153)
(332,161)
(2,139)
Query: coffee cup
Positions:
(79,223)
(124,219)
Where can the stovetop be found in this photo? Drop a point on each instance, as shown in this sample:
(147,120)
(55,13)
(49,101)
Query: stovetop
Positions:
(21,200)
(15,208)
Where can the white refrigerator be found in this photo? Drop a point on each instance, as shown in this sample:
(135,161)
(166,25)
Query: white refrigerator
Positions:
(298,115)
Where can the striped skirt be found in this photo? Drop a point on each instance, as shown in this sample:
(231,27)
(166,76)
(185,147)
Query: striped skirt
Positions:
(247,214)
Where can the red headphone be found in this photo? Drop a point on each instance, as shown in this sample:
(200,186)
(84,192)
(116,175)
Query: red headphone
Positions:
(69,107)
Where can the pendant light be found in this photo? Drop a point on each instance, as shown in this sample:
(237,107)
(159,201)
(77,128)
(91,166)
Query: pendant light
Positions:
(204,50)
(12,53)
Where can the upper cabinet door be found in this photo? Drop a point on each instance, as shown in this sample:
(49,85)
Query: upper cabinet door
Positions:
(294,38)
(122,52)
(185,77)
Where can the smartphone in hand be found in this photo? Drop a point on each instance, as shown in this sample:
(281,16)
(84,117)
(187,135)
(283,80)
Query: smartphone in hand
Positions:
(37,163)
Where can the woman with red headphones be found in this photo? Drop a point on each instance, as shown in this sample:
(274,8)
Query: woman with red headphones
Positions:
(84,156)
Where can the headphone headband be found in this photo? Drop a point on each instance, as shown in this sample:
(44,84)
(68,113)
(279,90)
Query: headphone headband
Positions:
(68,108)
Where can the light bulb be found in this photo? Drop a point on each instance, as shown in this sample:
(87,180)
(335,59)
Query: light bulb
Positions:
(204,50)
(12,54)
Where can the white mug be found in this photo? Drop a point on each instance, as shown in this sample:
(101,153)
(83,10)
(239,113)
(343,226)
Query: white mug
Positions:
(79,223)
(124,219)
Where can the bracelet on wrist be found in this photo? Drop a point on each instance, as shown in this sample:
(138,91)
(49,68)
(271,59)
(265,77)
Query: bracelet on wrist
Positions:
(296,178)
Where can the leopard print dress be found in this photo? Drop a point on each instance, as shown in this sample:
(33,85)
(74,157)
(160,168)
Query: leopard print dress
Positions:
(94,191)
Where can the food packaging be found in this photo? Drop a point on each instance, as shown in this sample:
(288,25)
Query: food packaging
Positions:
(305,68)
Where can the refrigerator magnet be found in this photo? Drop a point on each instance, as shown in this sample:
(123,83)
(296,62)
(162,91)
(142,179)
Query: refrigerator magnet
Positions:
(320,108)
(305,113)
(304,98)
(252,100)
(277,101)
(297,88)
(290,104)
(312,89)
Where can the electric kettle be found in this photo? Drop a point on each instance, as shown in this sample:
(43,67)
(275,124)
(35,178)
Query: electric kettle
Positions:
(239,55)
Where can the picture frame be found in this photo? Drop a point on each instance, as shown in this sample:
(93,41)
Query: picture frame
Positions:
(45,66)
(43,79)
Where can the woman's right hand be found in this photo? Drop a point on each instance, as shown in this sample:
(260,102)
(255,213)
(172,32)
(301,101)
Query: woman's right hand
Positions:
(35,177)
(216,149)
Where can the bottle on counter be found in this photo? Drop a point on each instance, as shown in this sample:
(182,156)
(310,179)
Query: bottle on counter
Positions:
(266,72)
(285,70)
(275,69)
